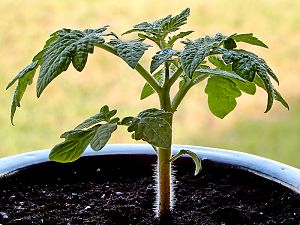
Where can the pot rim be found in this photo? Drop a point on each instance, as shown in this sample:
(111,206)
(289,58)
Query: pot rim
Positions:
(283,174)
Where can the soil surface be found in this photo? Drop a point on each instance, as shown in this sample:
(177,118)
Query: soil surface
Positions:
(116,191)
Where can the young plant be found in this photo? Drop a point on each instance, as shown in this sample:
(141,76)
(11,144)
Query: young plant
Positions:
(229,71)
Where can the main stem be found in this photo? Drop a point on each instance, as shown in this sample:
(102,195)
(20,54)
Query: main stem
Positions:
(164,155)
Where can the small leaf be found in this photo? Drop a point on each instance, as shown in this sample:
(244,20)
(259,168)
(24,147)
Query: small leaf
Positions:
(153,127)
(104,115)
(71,149)
(248,38)
(259,82)
(102,136)
(219,63)
(229,43)
(147,89)
(193,155)
(174,38)
(195,52)
(24,79)
(130,51)
(66,46)
(161,57)
(163,26)
(222,93)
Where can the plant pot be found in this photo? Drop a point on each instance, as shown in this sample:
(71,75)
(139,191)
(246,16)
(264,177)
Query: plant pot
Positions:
(116,186)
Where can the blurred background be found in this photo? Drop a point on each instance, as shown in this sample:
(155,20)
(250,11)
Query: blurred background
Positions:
(73,96)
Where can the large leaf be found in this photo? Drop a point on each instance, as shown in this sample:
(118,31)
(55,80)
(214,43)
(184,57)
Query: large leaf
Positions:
(153,127)
(248,38)
(91,131)
(130,51)
(102,135)
(147,89)
(67,46)
(195,52)
(248,65)
(161,57)
(72,148)
(24,79)
(222,93)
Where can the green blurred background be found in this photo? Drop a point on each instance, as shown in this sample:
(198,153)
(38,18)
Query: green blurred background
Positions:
(72,97)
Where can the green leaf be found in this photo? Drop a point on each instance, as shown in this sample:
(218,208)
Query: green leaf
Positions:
(24,79)
(273,94)
(147,89)
(195,52)
(177,21)
(219,63)
(247,64)
(162,27)
(102,135)
(221,93)
(161,57)
(229,43)
(247,87)
(66,46)
(153,127)
(193,155)
(72,148)
(248,38)
(130,51)
(103,115)
(174,38)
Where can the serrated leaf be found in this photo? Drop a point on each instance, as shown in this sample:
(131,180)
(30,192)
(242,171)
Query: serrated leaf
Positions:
(193,155)
(130,51)
(247,64)
(221,93)
(69,46)
(147,89)
(71,149)
(177,21)
(174,38)
(161,57)
(153,127)
(104,115)
(102,136)
(248,38)
(195,52)
(24,79)
(259,82)
(163,26)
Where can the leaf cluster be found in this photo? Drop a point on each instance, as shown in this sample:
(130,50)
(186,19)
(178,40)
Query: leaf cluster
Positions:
(229,72)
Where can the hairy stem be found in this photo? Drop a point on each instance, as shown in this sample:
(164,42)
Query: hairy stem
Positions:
(164,181)
(164,155)
(139,68)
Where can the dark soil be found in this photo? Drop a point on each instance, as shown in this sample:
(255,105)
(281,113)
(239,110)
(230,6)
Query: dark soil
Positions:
(115,191)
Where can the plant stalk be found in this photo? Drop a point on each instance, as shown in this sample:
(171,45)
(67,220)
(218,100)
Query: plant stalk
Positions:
(164,155)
